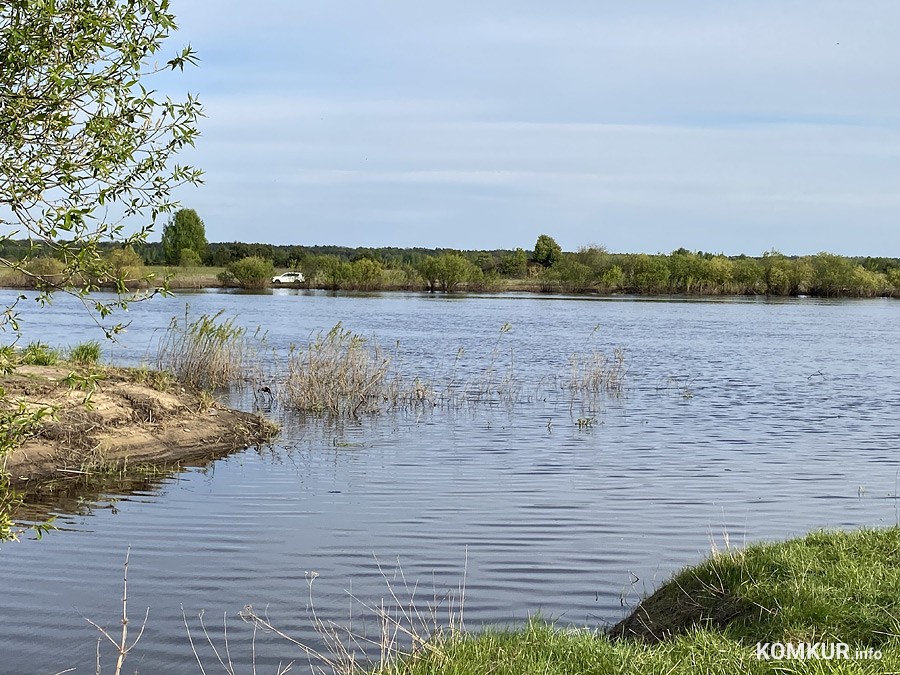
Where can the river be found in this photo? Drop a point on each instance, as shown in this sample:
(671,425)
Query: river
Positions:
(741,420)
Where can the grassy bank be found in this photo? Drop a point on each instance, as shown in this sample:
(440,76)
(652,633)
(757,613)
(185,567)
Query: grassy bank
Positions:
(832,588)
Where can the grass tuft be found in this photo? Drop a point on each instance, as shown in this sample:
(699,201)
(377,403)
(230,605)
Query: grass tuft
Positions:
(39,354)
(339,374)
(207,353)
(85,353)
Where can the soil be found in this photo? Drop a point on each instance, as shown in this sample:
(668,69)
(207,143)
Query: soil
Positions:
(125,422)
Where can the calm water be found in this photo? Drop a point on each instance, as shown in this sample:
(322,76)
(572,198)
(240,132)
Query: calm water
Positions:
(742,420)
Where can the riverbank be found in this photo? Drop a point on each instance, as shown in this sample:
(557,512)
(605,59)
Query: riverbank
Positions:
(103,419)
(823,603)
(863,285)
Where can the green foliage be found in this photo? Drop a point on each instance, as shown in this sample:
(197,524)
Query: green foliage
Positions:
(334,270)
(541,648)
(86,147)
(827,587)
(364,274)
(126,266)
(446,272)
(513,264)
(44,272)
(39,354)
(836,586)
(252,272)
(571,274)
(18,422)
(546,251)
(189,258)
(85,353)
(185,231)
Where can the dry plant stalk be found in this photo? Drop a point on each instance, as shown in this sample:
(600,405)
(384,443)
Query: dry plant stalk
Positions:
(122,646)
(405,629)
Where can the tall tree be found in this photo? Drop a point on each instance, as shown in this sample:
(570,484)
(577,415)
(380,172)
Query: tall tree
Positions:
(86,144)
(546,250)
(184,232)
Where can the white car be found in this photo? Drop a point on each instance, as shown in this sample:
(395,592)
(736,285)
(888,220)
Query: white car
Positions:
(289,278)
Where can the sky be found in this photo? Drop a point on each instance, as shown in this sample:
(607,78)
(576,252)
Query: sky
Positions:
(640,126)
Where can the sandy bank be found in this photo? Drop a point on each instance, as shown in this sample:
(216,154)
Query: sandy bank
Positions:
(130,419)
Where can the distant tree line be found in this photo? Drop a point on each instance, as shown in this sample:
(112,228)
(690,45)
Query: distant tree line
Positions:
(547,267)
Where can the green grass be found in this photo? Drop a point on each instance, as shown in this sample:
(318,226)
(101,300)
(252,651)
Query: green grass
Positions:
(39,354)
(542,649)
(828,587)
(86,353)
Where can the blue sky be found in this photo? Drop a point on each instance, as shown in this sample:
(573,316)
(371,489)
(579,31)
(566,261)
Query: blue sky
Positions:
(640,126)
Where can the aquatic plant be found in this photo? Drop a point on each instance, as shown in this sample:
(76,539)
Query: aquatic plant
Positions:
(207,353)
(338,373)
(595,372)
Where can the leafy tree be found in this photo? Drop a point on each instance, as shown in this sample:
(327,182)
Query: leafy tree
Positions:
(448,271)
(572,274)
(365,274)
(514,264)
(335,270)
(546,250)
(454,269)
(252,272)
(86,144)
(184,232)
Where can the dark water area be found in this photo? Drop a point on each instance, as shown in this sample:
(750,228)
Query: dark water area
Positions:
(741,420)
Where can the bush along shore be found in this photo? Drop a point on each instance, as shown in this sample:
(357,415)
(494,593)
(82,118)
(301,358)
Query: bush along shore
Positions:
(548,269)
(828,602)
(66,417)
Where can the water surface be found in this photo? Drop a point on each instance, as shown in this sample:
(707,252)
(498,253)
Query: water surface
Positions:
(742,420)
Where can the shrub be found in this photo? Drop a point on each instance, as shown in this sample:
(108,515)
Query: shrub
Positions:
(252,271)
(125,264)
(189,258)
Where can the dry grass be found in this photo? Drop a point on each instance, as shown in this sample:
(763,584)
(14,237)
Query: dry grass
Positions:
(596,373)
(338,373)
(343,374)
(207,353)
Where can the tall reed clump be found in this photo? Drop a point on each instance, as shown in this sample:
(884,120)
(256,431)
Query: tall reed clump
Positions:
(339,373)
(207,353)
(598,373)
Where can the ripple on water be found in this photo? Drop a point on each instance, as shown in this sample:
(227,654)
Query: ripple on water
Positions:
(726,434)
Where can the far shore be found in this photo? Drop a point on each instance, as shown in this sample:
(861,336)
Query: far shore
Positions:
(202,278)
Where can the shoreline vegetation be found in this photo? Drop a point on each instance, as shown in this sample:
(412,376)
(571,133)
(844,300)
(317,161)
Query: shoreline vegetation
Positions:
(822,603)
(546,269)
(129,420)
